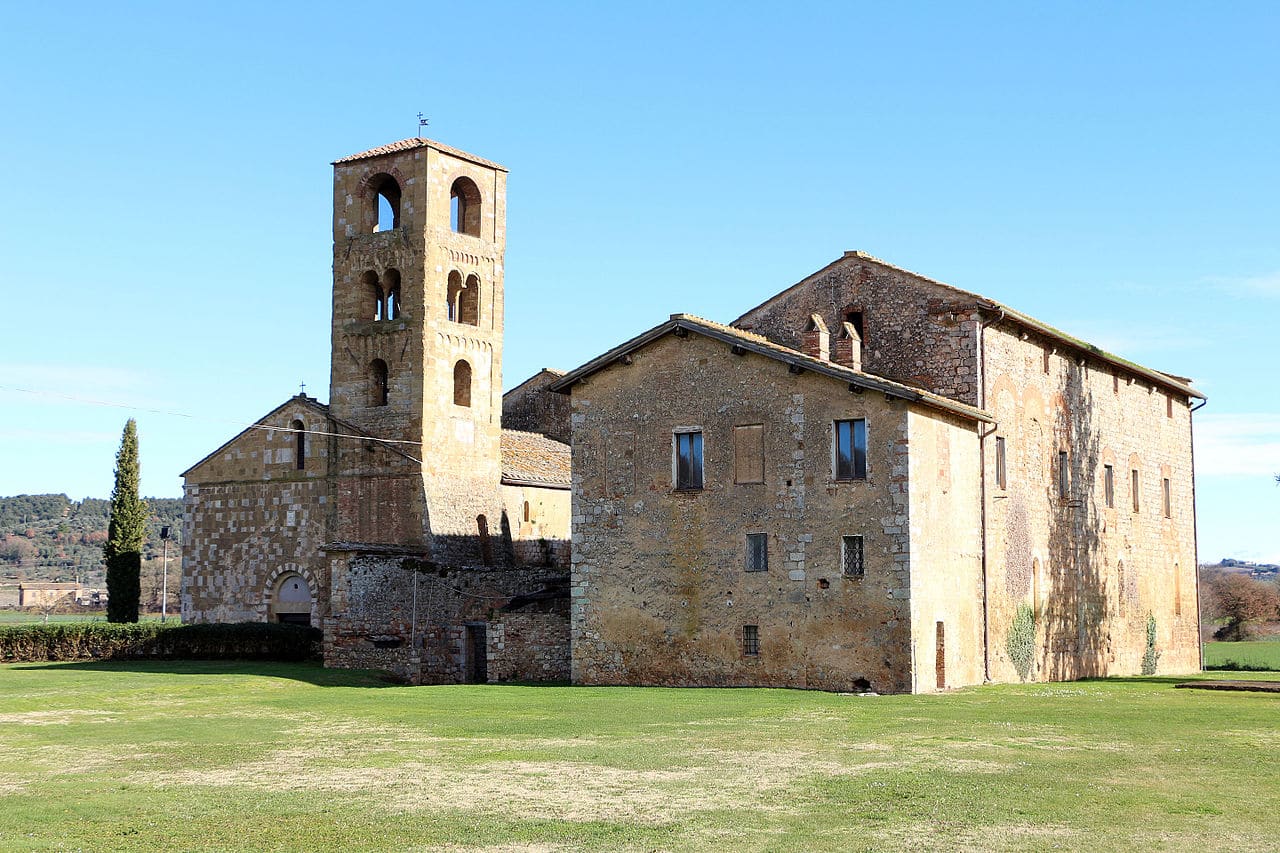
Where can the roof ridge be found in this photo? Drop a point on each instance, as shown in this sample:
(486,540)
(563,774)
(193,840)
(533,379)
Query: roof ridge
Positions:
(417,142)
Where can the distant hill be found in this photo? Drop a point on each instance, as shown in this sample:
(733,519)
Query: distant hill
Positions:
(51,537)
(1244,567)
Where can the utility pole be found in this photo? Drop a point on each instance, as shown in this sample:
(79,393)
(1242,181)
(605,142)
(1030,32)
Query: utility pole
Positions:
(164,583)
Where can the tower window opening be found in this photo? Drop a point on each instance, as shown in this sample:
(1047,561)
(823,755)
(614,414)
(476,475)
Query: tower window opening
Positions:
(386,212)
(374,295)
(464,207)
(469,302)
(391,307)
(854,318)
(299,444)
(452,295)
(462,384)
(378,389)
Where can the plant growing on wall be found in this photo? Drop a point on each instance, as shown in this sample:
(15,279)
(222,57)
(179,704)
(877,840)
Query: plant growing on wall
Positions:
(1021,643)
(1152,656)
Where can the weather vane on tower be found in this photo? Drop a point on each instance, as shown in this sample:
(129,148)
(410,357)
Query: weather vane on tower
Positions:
(422,122)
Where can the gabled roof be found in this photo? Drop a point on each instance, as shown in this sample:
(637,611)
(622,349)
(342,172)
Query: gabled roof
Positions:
(418,142)
(546,371)
(760,345)
(532,459)
(1180,384)
(310,402)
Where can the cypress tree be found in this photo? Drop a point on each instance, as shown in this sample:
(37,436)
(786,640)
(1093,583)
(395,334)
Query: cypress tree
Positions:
(125,533)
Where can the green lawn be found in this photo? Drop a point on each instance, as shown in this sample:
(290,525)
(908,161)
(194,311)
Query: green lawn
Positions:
(23,617)
(1256,653)
(256,757)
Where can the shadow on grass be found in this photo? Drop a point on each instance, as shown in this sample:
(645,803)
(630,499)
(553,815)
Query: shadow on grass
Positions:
(311,673)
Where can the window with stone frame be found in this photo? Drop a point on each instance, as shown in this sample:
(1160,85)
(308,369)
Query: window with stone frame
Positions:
(748,453)
(1109,484)
(1001,480)
(849,441)
(751,640)
(688,460)
(1166,497)
(1064,475)
(757,552)
(851,557)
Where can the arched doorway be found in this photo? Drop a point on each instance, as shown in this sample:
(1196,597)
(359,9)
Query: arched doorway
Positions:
(291,601)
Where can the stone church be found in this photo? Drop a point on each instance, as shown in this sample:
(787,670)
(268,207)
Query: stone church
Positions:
(871,481)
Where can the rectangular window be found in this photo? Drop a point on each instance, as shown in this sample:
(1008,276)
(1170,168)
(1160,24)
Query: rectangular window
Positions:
(748,453)
(1133,488)
(1048,353)
(751,640)
(1168,406)
(1166,498)
(851,449)
(1000,475)
(1109,484)
(1063,475)
(688,460)
(851,556)
(757,552)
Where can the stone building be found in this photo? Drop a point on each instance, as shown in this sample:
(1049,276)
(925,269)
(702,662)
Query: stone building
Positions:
(401,517)
(761,504)
(872,480)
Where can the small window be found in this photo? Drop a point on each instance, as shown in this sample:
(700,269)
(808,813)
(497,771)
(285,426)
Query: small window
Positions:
(1001,481)
(1064,484)
(851,557)
(748,453)
(757,552)
(469,302)
(1166,498)
(452,295)
(1115,381)
(462,384)
(1048,353)
(1109,484)
(464,207)
(1133,488)
(1168,406)
(391,310)
(751,640)
(373,294)
(854,318)
(688,447)
(386,214)
(851,450)
(379,393)
(299,444)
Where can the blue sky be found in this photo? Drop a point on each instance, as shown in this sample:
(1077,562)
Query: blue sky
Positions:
(165,241)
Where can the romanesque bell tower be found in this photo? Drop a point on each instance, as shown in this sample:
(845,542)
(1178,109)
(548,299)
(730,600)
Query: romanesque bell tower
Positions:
(418,243)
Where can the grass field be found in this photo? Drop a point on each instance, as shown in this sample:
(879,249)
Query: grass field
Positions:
(1257,653)
(23,617)
(257,757)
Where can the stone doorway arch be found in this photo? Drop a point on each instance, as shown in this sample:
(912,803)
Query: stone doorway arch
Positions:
(291,600)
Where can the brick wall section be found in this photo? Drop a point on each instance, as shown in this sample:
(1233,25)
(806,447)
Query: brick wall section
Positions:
(373,624)
(1065,555)
(531,407)
(914,331)
(659,591)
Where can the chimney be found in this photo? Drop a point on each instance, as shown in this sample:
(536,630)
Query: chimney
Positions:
(849,347)
(817,342)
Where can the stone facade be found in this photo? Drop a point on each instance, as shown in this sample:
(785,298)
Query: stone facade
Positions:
(418,533)
(534,407)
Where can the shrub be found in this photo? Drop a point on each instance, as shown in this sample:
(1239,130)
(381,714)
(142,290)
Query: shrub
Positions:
(151,640)
(1151,657)
(1021,643)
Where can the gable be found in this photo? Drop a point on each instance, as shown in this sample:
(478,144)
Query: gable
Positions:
(264,448)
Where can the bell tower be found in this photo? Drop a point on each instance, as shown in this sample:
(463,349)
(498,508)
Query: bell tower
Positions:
(419,234)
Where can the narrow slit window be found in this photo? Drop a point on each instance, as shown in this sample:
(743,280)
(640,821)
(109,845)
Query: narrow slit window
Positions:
(1133,488)
(1064,483)
(1001,481)
(851,449)
(1166,498)
(379,393)
(1168,406)
(688,447)
(391,307)
(751,640)
(1109,484)
(757,552)
(851,557)
(299,445)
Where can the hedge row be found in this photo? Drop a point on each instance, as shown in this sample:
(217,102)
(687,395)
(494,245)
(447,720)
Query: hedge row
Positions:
(151,640)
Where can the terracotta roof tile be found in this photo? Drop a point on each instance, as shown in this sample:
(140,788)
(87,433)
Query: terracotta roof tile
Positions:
(416,142)
(530,458)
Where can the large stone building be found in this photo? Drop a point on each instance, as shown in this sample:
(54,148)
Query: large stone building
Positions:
(762,504)
(865,482)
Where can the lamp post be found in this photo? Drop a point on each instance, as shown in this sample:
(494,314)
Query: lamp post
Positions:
(164,582)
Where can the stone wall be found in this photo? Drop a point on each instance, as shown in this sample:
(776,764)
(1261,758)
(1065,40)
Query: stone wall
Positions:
(538,523)
(914,330)
(1093,572)
(660,595)
(531,407)
(380,621)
